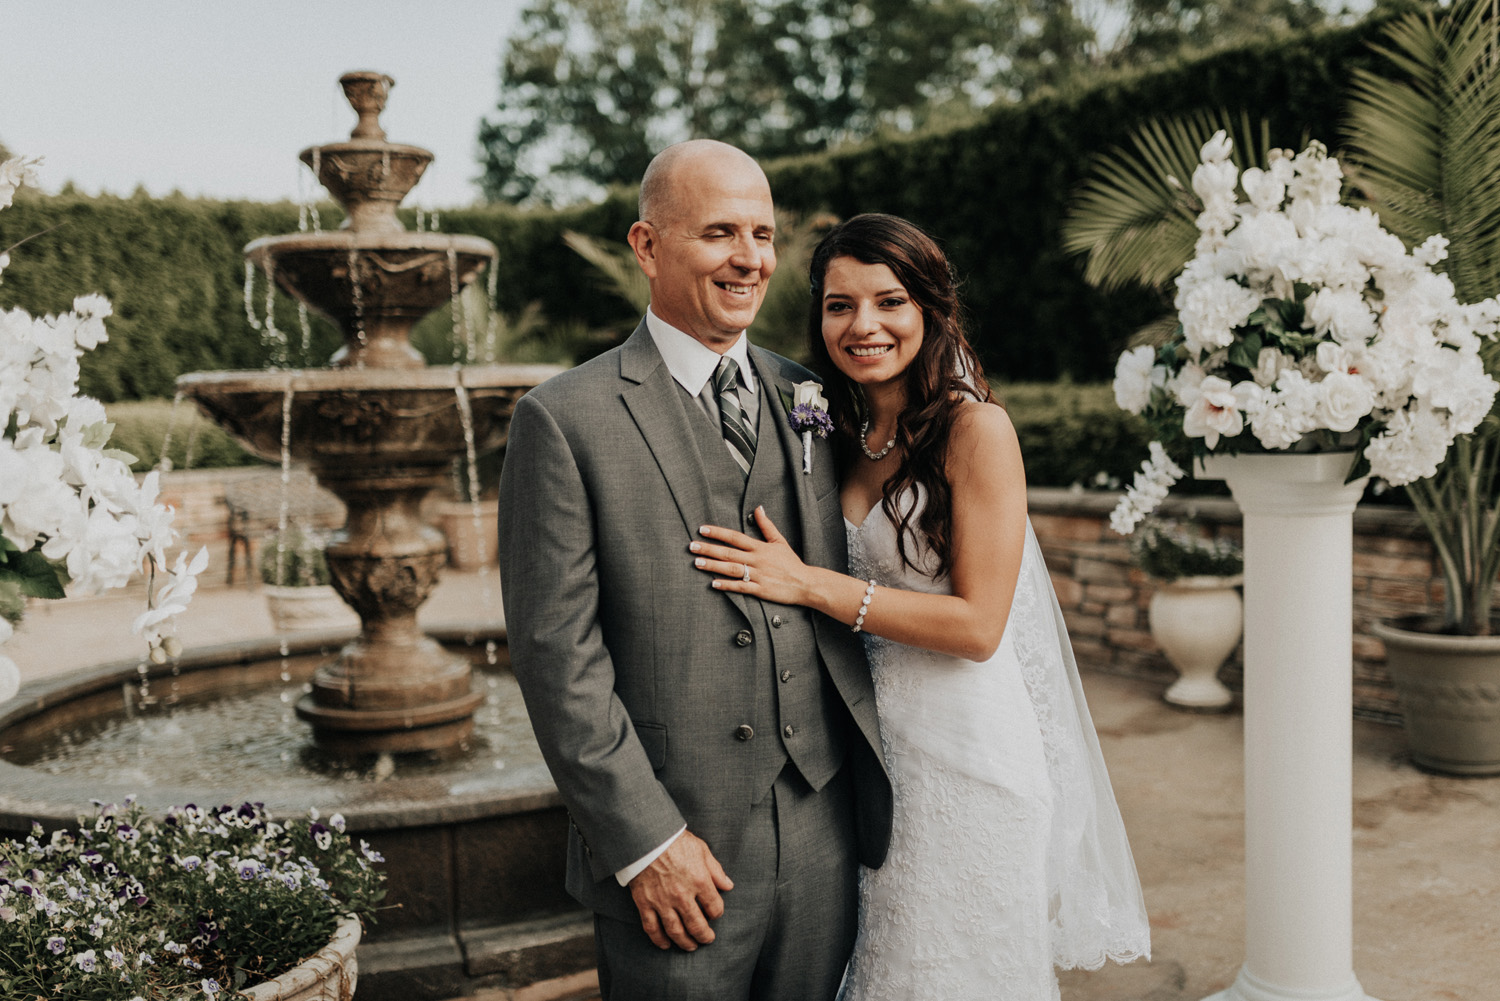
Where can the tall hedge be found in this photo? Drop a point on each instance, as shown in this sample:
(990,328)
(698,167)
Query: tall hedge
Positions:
(994,192)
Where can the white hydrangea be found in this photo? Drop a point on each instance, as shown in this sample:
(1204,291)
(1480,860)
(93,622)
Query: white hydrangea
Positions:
(62,492)
(1357,331)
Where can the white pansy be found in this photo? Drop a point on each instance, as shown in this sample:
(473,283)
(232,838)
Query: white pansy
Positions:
(1136,375)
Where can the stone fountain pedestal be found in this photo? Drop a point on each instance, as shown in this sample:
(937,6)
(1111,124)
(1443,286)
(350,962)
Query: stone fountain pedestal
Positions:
(379,428)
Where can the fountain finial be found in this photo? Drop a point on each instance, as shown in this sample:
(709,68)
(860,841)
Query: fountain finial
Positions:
(366,91)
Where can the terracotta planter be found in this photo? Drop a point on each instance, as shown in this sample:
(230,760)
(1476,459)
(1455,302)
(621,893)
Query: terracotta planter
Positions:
(300,608)
(328,975)
(1449,687)
(1197,623)
(470,545)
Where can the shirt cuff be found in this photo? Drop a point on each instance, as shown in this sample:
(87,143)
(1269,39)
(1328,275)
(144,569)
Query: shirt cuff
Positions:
(637,867)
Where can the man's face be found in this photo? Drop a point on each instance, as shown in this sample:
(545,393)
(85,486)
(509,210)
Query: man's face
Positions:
(710,257)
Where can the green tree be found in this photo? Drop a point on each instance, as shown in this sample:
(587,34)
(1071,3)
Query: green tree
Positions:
(591,89)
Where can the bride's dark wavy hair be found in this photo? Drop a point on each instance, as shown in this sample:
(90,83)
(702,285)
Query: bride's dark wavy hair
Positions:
(944,374)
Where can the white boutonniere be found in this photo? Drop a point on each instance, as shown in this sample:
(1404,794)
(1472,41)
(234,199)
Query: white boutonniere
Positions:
(807,413)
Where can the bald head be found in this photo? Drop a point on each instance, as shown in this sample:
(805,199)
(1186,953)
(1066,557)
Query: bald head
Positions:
(705,239)
(674,169)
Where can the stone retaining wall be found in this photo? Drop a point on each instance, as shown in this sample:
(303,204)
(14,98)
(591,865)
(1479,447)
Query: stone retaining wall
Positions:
(1104,598)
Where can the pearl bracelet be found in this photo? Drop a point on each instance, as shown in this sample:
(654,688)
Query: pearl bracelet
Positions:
(864,606)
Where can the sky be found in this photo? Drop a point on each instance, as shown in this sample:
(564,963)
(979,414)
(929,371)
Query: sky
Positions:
(216,98)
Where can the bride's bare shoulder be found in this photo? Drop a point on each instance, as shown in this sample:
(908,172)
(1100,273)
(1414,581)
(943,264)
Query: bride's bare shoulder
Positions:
(986,426)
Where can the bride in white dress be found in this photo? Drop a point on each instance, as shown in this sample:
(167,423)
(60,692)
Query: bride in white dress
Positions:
(1008,857)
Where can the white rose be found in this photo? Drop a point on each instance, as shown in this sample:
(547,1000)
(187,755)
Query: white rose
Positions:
(1344,400)
(810,394)
(1135,377)
(1269,364)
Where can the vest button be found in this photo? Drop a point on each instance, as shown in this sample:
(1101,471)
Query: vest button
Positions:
(786,676)
(744,731)
(788,730)
(775,622)
(743,638)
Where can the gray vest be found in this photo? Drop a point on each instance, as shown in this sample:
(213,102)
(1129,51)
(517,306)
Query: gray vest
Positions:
(798,714)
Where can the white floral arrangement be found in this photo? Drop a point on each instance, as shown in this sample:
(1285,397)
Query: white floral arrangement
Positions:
(71,511)
(1305,321)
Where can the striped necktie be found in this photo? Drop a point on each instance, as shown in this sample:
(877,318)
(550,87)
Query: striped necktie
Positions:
(737,433)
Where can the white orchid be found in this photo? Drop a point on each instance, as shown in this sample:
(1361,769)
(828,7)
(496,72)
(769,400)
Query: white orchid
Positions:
(63,496)
(1301,315)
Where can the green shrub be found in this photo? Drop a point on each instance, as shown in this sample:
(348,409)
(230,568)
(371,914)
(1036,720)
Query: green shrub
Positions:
(1168,551)
(1071,433)
(142,425)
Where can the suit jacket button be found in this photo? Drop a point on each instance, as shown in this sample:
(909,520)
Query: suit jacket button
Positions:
(786,676)
(743,638)
(744,731)
(776,622)
(788,730)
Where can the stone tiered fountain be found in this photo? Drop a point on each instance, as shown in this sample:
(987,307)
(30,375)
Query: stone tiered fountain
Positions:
(379,428)
(474,833)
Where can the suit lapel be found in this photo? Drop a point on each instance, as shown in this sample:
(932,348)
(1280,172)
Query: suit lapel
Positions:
(653,398)
(779,389)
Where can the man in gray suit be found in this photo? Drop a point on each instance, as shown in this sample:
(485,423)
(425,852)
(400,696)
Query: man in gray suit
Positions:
(718,755)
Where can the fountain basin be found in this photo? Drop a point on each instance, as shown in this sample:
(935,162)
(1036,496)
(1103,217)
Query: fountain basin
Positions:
(374,283)
(474,844)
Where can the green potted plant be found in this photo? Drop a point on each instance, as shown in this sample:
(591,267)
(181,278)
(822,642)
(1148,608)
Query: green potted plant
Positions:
(297,584)
(1196,614)
(1426,142)
(202,903)
(1423,153)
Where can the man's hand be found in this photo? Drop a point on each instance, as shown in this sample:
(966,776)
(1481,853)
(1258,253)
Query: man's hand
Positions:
(678,894)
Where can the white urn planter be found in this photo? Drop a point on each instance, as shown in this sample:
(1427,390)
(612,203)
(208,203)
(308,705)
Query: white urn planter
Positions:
(317,606)
(1299,724)
(327,975)
(1197,622)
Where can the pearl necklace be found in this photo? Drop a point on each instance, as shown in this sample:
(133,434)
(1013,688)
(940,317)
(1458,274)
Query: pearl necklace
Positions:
(865,448)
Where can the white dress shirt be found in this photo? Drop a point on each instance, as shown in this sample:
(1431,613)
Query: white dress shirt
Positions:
(692,364)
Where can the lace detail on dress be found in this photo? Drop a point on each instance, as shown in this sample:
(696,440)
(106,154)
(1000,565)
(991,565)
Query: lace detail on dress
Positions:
(994,873)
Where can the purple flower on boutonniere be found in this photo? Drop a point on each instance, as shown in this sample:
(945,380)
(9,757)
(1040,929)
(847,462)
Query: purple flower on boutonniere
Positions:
(807,413)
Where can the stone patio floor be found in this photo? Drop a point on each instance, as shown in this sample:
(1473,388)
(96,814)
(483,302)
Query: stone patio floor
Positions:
(1426,847)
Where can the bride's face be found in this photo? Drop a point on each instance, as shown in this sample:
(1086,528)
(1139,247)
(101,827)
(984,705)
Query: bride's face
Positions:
(871,327)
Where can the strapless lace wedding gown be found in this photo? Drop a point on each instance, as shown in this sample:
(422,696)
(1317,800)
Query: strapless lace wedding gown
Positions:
(1008,856)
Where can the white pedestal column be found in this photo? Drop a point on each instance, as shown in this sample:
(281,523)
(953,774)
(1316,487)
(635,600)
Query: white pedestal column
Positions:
(1298,523)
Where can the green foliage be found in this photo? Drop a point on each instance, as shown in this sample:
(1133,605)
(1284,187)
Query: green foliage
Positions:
(295,559)
(142,426)
(1168,551)
(173,270)
(1424,128)
(590,89)
(1073,433)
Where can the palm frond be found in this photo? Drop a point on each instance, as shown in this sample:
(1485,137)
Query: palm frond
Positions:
(1136,215)
(1425,142)
(618,272)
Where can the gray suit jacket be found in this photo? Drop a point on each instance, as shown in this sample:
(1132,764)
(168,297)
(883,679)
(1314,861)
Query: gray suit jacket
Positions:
(617,641)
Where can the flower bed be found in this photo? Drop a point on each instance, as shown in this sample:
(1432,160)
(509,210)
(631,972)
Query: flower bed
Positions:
(197,905)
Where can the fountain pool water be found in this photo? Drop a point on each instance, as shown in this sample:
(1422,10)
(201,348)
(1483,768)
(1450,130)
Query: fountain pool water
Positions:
(381,725)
